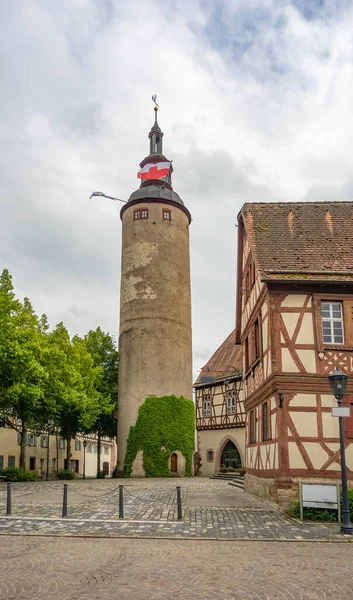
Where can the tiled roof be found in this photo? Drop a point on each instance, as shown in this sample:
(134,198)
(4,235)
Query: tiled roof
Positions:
(300,241)
(226,361)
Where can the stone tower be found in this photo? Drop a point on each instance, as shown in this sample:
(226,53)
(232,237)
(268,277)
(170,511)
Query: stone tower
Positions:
(155,299)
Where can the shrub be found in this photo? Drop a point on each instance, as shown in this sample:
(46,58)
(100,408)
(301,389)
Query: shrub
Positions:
(241,471)
(66,474)
(100,475)
(16,474)
(320,514)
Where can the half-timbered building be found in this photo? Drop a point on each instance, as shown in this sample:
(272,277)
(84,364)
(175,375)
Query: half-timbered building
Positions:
(294,320)
(294,326)
(220,414)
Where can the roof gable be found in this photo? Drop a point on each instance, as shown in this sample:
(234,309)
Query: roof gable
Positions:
(301,241)
(226,361)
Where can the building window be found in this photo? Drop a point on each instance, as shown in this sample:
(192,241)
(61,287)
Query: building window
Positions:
(19,437)
(206,406)
(53,464)
(210,455)
(332,322)
(11,461)
(106,449)
(256,339)
(44,441)
(252,433)
(94,449)
(246,354)
(61,444)
(77,445)
(167,215)
(265,422)
(31,440)
(231,402)
(141,213)
(89,448)
(1,463)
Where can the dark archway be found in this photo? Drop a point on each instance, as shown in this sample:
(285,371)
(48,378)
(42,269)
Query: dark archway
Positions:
(230,456)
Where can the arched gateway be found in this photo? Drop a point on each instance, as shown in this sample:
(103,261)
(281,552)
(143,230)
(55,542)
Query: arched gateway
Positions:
(230,456)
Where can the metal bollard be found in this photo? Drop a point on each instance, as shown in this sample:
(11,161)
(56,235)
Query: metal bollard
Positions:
(8,500)
(180,510)
(65,502)
(121,501)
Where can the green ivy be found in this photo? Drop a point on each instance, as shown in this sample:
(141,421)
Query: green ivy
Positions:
(167,422)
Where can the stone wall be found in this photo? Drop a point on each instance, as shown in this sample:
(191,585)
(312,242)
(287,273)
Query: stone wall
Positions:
(283,491)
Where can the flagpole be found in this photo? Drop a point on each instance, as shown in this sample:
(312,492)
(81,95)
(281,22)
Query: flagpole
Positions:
(94,194)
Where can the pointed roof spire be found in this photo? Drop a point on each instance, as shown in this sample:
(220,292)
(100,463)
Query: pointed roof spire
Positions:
(156,134)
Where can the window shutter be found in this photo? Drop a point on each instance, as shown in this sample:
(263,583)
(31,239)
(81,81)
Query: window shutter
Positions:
(348,322)
(252,345)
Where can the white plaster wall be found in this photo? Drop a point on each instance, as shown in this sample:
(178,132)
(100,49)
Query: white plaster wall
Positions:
(212,440)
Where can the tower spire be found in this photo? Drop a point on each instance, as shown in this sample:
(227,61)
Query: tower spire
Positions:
(156,134)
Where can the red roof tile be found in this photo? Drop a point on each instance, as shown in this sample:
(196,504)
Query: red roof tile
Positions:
(226,361)
(301,241)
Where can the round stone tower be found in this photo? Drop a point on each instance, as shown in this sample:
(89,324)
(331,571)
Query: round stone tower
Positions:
(155,300)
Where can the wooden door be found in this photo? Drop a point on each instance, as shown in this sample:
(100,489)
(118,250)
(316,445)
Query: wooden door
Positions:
(174,463)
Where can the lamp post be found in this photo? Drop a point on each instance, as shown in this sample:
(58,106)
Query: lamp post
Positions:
(338,383)
(84,458)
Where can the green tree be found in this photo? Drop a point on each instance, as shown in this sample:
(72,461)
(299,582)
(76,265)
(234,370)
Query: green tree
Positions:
(73,382)
(105,356)
(22,375)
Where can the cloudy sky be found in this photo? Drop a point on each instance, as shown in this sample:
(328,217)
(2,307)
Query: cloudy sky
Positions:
(256,105)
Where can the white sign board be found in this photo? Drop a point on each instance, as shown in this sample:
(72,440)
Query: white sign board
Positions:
(341,411)
(320,495)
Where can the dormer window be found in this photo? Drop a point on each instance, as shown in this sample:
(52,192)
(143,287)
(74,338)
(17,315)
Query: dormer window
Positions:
(141,213)
(167,215)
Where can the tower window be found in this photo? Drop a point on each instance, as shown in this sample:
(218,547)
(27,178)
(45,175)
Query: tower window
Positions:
(167,215)
(141,214)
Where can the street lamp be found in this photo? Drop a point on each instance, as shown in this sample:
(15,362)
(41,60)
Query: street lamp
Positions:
(338,383)
(84,458)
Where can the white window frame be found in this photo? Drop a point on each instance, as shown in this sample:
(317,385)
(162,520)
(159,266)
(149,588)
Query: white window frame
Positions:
(106,450)
(231,402)
(61,444)
(77,445)
(329,321)
(31,439)
(144,213)
(206,405)
(89,448)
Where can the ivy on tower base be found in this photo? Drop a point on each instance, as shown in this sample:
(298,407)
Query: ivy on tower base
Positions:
(164,426)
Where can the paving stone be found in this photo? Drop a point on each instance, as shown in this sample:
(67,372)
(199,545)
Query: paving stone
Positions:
(94,509)
(158,569)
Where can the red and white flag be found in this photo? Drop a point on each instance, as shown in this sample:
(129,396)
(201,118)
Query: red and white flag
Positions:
(154,170)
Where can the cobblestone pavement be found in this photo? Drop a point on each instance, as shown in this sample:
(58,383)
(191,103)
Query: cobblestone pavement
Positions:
(101,569)
(211,509)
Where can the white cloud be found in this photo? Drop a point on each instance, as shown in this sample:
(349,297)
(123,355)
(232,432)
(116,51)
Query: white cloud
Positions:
(255,102)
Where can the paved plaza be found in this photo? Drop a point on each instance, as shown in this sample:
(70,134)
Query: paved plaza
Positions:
(109,569)
(211,509)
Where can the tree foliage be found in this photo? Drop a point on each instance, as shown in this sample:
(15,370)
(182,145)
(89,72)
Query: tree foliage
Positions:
(51,382)
(102,348)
